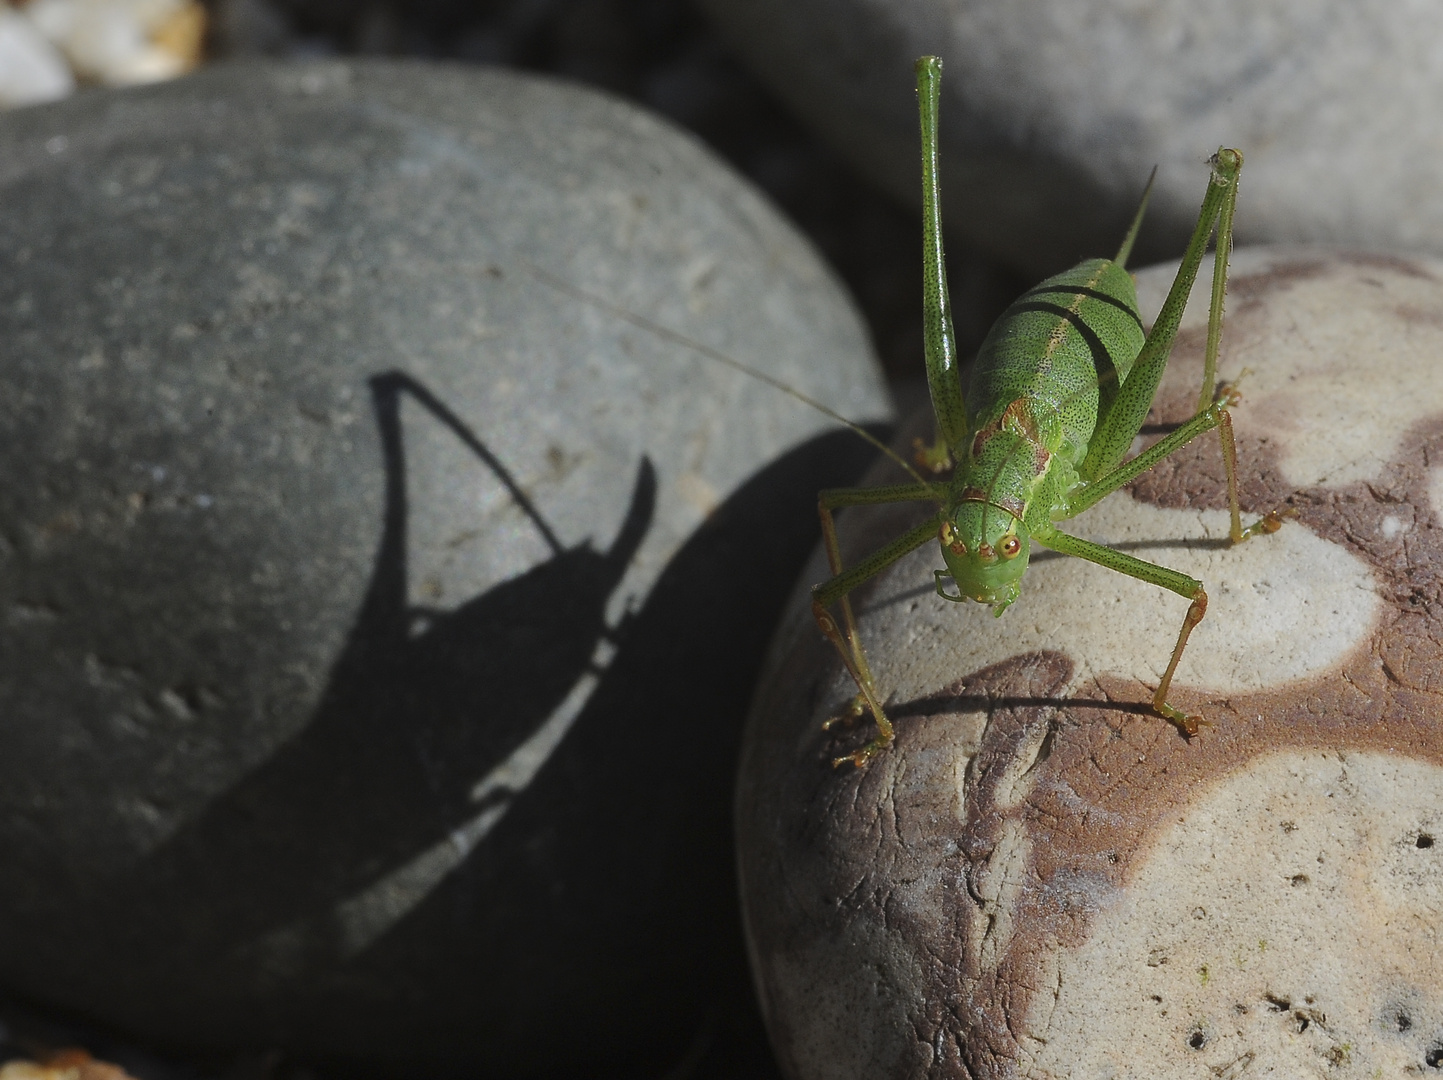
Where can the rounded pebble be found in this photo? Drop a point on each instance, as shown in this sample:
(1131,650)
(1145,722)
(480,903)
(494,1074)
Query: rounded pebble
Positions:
(1042,878)
(379,598)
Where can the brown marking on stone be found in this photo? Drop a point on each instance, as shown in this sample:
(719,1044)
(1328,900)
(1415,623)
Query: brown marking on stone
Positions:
(1115,775)
(1248,292)
(1020,697)
(1398,264)
(1413,314)
(1088,780)
(1194,476)
(1278,275)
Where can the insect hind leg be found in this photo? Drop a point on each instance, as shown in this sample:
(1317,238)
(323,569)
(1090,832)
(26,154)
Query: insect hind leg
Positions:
(1184,722)
(1215,415)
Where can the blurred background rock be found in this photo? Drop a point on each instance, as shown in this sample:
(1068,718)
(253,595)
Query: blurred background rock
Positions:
(662,54)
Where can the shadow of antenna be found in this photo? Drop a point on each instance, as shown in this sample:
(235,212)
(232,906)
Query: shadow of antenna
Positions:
(386,391)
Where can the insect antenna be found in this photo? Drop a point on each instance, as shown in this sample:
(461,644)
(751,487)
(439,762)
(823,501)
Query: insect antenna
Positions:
(1126,249)
(678,338)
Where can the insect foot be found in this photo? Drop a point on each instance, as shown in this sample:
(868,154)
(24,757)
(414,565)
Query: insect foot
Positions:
(860,757)
(856,708)
(1270,522)
(1089,893)
(933,457)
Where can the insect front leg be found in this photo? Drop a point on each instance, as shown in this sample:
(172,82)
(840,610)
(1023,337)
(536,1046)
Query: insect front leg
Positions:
(846,639)
(1186,587)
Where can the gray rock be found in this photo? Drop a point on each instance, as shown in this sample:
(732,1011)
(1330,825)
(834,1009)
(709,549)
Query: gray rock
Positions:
(1054,112)
(1042,878)
(377,613)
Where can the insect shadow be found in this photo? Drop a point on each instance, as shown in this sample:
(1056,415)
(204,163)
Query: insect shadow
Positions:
(604,892)
(419,703)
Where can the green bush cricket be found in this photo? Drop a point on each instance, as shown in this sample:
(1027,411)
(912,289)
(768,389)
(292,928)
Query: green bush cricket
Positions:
(1059,390)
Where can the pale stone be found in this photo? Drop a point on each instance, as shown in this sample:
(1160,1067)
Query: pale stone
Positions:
(1043,879)
(123,42)
(1287,927)
(31,70)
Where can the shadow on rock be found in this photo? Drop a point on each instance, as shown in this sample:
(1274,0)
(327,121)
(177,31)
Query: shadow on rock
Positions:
(379,895)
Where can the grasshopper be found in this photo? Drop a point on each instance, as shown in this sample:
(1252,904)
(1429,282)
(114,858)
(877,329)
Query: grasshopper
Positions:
(1058,392)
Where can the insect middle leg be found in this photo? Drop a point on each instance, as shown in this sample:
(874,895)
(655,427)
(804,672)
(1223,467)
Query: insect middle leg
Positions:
(1216,415)
(845,639)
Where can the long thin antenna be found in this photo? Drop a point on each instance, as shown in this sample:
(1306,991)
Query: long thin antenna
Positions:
(1126,249)
(678,338)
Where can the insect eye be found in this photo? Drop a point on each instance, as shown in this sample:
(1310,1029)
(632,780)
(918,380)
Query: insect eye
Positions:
(1010,547)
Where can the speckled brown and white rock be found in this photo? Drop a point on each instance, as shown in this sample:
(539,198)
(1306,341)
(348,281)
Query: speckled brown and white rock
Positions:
(1042,879)
(1054,111)
(304,739)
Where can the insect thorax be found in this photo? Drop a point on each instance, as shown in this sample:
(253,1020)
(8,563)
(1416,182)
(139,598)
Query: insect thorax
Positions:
(1011,465)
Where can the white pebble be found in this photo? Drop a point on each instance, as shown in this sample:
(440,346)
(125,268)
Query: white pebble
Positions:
(31,71)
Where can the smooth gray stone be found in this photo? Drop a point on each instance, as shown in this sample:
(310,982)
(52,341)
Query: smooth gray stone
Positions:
(1055,111)
(376,615)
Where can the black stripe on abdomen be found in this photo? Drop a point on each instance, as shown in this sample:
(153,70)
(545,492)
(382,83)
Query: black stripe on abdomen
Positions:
(1082,290)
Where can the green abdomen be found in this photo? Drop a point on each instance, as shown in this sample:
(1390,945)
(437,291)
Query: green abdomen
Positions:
(1068,343)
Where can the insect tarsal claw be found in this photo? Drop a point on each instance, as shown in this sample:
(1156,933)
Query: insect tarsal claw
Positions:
(935,459)
(1191,725)
(860,757)
(855,710)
